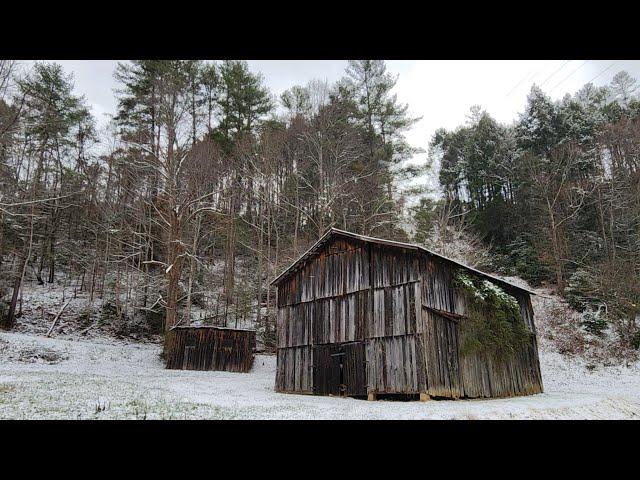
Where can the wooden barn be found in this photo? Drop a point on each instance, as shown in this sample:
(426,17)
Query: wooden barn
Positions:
(361,316)
(210,348)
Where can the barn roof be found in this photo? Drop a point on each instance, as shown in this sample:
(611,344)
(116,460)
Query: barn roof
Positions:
(333,232)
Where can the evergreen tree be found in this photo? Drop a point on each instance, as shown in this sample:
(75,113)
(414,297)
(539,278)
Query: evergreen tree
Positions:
(378,110)
(242,100)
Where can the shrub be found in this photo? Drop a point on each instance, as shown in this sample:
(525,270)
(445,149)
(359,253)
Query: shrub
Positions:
(154,321)
(577,290)
(84,318)
(4,310)
(5,300)
(523,261)
(109,311)
(494,325)
(594,321)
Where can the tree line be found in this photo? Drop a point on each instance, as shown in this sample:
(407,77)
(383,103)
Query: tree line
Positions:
(201,187)
(204,185)
(555,196)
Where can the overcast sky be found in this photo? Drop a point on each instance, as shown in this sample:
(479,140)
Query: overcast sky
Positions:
(440,91)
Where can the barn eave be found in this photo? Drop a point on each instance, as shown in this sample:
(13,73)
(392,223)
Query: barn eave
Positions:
(212,327)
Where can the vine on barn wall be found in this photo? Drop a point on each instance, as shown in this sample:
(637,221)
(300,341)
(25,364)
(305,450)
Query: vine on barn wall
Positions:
(494,323)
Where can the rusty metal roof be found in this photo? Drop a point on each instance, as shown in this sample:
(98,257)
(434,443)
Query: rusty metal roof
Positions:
(316,247)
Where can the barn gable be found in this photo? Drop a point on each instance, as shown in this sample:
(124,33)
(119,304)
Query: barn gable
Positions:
(334,233)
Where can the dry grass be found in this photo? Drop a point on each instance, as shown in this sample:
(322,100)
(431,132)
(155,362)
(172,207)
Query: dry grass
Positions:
(6,389)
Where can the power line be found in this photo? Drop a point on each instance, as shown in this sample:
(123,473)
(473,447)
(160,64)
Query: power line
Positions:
(519,83)
(554,72)
(535,75)
(602,72)
(569,76)
(527,77)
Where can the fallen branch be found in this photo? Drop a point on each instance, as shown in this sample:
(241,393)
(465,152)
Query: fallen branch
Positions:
(55,320)
(82,332)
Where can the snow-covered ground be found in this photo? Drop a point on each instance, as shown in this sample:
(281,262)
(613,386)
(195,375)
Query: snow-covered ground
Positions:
(60,378)
(89,369)
(84,318)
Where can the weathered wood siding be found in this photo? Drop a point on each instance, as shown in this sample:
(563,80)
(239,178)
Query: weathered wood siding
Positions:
(437,285)
(526,309)
(330,301)
(326,320)
(394,346)
(393,266)
(519,374)
(342,267)
(209,348)
(394,365)
(364,317)
(326,302)
(294,370)
(453,374)
(396,311)
(441,355)
(484,376)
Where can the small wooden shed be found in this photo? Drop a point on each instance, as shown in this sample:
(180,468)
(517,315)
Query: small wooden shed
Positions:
(210,348)
(363,316)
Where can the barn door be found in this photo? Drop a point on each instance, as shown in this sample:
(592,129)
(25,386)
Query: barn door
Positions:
(326,369)
(339,369)
(354,370)
(441,355)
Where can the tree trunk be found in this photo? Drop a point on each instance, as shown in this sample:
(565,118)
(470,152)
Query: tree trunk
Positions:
(9,321)
(173,272)
(192,269)
(259,272)
(556,250)
(52,262)
(230,247)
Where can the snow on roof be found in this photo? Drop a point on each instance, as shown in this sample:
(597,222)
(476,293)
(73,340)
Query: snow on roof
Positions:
(315,248)
(215,327)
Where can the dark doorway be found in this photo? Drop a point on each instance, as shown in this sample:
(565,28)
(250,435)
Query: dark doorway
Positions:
(339,369)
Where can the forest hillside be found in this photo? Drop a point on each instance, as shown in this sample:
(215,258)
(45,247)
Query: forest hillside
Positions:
(204,186)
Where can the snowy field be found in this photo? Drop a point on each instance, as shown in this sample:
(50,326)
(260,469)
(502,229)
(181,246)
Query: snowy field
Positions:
(51,378)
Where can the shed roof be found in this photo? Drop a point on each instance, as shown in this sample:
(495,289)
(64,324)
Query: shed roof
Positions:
(333,232)
(214,327)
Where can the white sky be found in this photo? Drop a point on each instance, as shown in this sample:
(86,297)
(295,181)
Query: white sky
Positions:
(441,91)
